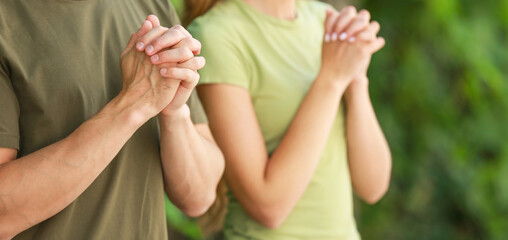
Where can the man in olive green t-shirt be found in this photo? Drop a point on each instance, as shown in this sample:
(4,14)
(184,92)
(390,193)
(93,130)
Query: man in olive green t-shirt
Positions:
(81,154)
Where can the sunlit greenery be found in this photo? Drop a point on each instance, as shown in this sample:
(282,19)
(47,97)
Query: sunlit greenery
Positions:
(440,91)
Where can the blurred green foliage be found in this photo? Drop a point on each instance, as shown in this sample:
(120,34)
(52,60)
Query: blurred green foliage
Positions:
(440,90)
(180,223)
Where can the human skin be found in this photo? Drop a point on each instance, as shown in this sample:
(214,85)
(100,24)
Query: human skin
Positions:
(41,184)
(191,177)
(259,181)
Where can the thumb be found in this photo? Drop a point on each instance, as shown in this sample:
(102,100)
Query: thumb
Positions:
(145,27)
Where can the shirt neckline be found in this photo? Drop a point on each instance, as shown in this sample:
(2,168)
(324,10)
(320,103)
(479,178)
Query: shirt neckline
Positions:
(276,21)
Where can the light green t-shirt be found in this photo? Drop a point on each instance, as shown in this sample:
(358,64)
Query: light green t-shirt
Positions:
(277,61)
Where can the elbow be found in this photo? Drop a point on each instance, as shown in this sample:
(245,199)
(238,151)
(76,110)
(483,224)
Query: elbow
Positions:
(271,217)
(198,207)
(373,199)
(374,196)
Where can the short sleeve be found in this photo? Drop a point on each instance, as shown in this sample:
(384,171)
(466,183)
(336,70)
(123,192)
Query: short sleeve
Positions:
(197,112)
(9,113)
(224,61)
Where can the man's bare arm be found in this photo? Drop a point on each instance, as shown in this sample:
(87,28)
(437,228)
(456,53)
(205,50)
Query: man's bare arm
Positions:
(41,184)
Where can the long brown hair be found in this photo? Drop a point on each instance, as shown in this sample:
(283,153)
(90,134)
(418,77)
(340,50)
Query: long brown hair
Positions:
(196,8)
(213,220)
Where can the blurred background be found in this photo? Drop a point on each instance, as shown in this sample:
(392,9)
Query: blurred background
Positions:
(440,90)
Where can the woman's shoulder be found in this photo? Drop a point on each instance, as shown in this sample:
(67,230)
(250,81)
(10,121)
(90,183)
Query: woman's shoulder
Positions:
(313,9)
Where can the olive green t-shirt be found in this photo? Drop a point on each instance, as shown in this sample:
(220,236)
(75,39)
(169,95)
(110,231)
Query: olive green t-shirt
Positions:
(59,65)
(277,61)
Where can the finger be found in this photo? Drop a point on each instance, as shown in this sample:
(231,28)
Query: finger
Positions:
(145,27)
(169,39)
(189,80)
(194,63)
(188,77)
(148,37)
(370,33)
(346,16)
(331,19)
(187,35)
(181,96)
(174,55)
(377,44)
(154,20)
(182,30)
(191,43)
(359,24)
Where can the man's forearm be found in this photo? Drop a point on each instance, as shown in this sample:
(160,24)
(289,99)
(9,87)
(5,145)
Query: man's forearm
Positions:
(193,165)
(368,151)
(41,184)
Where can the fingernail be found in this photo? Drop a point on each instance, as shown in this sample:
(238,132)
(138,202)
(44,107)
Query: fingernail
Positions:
(164,70)
(140,45)
(154,58)
(343,36)
(327,37)
(351,39)
(334,37)
(149,49)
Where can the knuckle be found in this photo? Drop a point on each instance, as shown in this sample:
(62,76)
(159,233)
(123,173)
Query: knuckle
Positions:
(198,77)
(197,43)
(334,16)
(164,56)
(158,42)
(375,25)
(143,39)
(192,63)
(172,72)
(186,53)
(189,75)
(187,42)
(364,13)
(177,27)
(349,10)
(161,29)
(203,61)
(180,35)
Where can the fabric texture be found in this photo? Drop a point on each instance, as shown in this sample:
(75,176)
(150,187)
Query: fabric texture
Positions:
(59,65)
(276,61)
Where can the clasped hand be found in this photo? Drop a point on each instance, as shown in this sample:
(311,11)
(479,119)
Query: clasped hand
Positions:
(349,41)
(159,68)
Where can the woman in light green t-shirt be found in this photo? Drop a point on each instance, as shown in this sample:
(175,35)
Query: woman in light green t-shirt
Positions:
(284,82)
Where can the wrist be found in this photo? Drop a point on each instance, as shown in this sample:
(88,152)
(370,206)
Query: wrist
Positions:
(337,85)
(131,112)
(180,114)
(357,89)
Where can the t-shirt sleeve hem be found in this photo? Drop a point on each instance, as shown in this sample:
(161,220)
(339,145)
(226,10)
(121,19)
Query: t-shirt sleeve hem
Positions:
(223,81)
(9,141)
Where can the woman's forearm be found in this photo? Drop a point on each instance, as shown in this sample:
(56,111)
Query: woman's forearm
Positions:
(192,164)
(297,156)
(368,152)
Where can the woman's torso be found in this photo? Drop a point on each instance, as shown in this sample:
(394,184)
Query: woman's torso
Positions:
(280,60)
